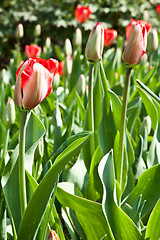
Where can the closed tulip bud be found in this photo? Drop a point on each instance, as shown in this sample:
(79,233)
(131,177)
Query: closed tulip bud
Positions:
(78,38)
(81,85)
(19,31)
(48,42)
(68,47)
(152,41)
(5,76)
(9,117)
(67,65)
(53,236)
(34,81)
(146,123)
(95,44)
(56,81)
(136,46)
(37,31)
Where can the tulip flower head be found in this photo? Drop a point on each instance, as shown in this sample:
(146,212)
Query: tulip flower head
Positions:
(82,13)
(10,114)
(33,51)
(95,44)
(132,24)
(34,81)
(53,236)
(136,46)
(152,41)
(19,31)
(110,35)
(158,9)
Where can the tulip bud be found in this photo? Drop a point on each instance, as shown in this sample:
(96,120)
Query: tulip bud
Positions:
(48,42)
(53,236)
(95,43)
(67,65)
(56,81)
(5,76)
(81,85)
(146,123)
(78,38)
(68,47)
(37,31)
(19,31)
(9,117)
(152,41)
(136,46)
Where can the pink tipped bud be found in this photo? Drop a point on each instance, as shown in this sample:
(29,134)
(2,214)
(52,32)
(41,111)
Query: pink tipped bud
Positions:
(136,46)
(95,44)
(53,236)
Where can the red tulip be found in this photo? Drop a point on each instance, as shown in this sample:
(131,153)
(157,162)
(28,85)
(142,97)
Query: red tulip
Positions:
(60,68)
(32,51)
(34,81)
(82,13)
(136,46)
(158,9)
(53,236)
(131,25)
(110,35)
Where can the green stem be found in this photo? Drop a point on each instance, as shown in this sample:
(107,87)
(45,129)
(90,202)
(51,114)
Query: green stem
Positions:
(122,129)
(58,223)
(90,107)
(22,182)
(2,162)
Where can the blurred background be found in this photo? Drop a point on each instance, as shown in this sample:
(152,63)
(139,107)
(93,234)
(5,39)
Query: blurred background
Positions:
(57,20)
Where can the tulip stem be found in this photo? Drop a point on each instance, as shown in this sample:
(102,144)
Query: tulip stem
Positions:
(22,182)
(90,106)
(122,128)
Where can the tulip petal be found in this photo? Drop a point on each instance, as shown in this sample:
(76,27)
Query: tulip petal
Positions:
(38,86)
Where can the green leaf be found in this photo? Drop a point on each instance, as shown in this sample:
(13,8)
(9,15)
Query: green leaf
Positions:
(38,203)
(86,211)
(150,107)
(153,231)
(94,186)
(121,225)
(148,185)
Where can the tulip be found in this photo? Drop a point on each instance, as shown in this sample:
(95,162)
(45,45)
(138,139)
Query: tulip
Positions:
(81,85)
(132,24)
(60,68)
(53,236)
(158,9)
(9,116)
(56,81)
(19,31)
(152,41)
(37,31)
(67,65)
(68,47)
(48,42)
(78,38)
(136,46)
(33,51)
(110,35)
(34,81)
(82,13)
(95,43)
